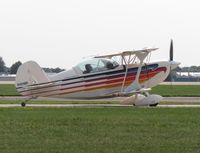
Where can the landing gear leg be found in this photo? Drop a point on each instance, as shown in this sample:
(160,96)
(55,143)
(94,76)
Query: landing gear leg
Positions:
(23,104)
(146,94)
(136,97)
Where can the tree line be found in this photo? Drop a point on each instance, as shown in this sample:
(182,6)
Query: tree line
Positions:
(187,69)
(190,69)
(14,67)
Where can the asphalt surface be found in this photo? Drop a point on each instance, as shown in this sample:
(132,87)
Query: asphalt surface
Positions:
(117,99)
(86,105)
(180,100)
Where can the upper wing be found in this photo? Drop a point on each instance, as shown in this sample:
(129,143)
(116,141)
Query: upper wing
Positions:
(126,53)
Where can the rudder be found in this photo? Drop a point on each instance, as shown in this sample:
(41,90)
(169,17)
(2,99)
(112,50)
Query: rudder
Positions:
(30,73)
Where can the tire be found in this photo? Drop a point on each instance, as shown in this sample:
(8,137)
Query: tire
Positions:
(23,104)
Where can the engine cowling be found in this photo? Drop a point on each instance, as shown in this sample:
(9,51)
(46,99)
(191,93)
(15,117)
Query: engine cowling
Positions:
(141,100)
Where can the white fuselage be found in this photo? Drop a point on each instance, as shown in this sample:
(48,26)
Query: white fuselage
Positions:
(110,82)
(74,84)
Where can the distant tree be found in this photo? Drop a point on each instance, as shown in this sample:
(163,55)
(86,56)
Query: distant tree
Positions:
(178,69)
(53,70)
(193,69)
(185,69)
(14,67)
(190,69)
(57,70)
(6,70)
(2,65)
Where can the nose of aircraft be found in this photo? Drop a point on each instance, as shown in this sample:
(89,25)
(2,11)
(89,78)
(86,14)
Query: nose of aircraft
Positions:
(174,64)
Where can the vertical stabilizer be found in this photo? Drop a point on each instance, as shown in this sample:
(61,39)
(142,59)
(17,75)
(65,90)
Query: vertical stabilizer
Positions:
(30,73)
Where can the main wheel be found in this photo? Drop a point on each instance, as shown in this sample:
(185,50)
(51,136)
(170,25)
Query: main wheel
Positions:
(153,105)
(23,104)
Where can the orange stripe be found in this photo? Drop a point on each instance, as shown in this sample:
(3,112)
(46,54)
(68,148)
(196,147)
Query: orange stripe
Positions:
(127,83)
(95,88)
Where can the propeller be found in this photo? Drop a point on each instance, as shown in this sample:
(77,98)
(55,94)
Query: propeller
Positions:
(173,64)
(171,58)
(171,51)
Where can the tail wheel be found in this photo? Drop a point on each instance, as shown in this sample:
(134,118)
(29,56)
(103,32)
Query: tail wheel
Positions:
(23,104)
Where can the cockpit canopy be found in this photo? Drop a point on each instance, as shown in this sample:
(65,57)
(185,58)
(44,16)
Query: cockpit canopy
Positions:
(97,65)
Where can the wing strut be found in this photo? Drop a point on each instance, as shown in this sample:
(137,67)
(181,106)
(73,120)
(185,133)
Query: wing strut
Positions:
(135,85)
(126,64)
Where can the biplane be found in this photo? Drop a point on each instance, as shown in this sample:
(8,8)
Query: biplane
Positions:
(127,73)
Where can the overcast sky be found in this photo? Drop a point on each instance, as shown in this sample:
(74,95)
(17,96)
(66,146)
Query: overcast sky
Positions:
(60,33)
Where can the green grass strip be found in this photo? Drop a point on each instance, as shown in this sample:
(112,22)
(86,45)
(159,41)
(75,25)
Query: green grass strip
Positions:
(164,90)
(99,130)
(177,90)
(8,90)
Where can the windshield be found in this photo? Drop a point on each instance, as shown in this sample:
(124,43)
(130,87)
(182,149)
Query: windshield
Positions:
(96,65)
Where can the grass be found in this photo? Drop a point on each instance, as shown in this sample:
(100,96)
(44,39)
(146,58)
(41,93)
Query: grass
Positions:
(8,90)
(99,130)
(164,90)
(177,90)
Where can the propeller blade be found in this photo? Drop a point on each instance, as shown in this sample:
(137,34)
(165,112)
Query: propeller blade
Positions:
(171,52)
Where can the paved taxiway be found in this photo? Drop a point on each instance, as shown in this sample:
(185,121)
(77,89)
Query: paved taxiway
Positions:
(180,102)
(117,99)
(85,105)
